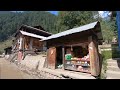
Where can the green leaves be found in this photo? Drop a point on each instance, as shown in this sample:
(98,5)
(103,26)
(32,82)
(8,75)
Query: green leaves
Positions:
(107,30)
(70,19)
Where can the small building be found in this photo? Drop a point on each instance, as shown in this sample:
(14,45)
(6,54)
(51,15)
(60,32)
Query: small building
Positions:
(8,50)
(76,49)
(27,40)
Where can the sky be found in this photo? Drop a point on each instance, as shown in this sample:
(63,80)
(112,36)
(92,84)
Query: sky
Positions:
(54,12)
(103,14)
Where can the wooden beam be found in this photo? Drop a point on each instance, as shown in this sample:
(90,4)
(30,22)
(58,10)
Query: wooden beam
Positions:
(63,56)
(31,43)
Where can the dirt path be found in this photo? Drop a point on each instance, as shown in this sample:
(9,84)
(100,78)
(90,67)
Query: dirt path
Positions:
(10,71)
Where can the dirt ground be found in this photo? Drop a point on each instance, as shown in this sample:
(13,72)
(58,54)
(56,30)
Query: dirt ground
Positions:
(11,71)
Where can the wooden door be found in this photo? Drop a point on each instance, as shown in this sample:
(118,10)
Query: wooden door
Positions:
(51,58)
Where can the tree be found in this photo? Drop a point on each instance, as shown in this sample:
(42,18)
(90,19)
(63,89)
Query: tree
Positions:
(109,27)
(70,19)
(107,31)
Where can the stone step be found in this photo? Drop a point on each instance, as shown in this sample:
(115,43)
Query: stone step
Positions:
(111,60)
(113,64)
(114,68)
(111,78)
(116,60)
(113,74)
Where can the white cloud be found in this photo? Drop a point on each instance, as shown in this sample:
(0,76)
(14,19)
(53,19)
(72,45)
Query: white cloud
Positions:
(101,13)
(104,14)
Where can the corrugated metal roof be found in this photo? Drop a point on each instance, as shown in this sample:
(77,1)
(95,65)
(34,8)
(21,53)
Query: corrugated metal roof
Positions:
(32,35)
(74,30)
(36,29)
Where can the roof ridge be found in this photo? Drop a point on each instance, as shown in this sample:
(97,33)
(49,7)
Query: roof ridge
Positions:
(36,28)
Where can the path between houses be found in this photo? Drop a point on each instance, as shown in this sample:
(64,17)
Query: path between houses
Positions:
(113,68)
(10,71)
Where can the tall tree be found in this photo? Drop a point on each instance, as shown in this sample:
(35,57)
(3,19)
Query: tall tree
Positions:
(70,19)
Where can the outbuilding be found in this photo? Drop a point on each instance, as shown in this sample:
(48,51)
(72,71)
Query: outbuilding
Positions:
(75,49)
(27,40)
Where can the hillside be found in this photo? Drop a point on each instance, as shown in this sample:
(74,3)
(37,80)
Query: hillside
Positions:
(65,20)
(11,21)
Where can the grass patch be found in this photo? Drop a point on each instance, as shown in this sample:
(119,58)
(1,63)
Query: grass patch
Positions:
(111,54)
(105,56)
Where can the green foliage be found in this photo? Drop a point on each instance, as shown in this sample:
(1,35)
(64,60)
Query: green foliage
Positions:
(107,54)
(111,54)
(11,21)
(104,68)
(70,19)
(107,28)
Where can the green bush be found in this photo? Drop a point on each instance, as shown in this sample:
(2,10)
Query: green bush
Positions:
(111,54)
(107,54)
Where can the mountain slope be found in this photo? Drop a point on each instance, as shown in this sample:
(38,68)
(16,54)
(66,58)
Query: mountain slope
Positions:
(11,21)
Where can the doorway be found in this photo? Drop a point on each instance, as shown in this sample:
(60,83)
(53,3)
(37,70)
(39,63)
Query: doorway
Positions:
(59,57)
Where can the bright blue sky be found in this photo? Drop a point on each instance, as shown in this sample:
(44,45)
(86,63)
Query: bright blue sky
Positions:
(54,12)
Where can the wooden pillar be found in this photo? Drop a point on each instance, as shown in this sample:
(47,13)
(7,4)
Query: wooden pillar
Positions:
(20,47)
(47,57)
(51,57)
(23,44)
(94,57)
(31,43)
(20,52)
(23,47)
(63,56)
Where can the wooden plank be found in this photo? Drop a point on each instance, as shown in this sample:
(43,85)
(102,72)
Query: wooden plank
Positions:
(63,54)
(94,59)
(31,43)
(97,58)
(26,42)
(52,58)
(70,39)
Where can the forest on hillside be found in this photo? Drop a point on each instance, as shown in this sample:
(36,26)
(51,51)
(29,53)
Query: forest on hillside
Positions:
(11,21)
